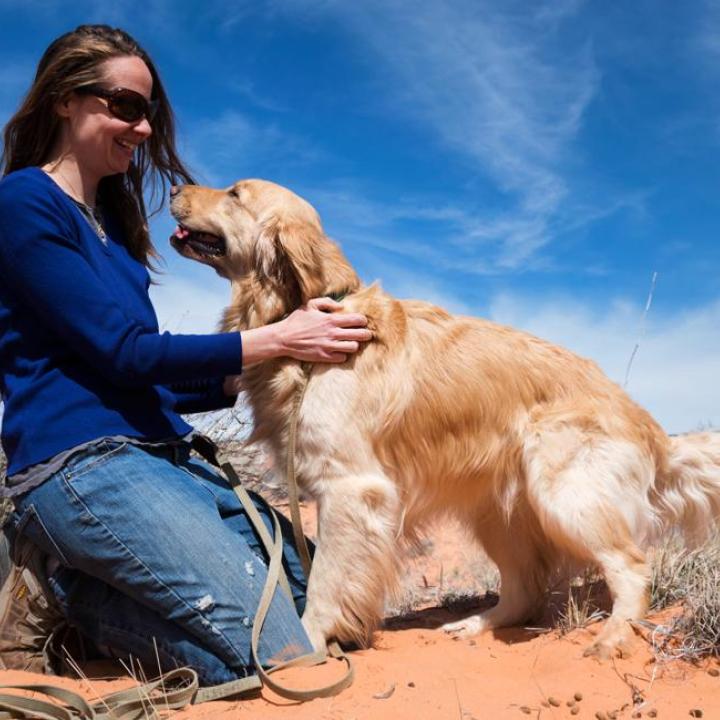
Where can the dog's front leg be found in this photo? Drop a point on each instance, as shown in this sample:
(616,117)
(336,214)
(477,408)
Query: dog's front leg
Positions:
(355,561)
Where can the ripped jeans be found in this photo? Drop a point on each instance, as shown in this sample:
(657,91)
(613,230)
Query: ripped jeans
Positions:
(159,561)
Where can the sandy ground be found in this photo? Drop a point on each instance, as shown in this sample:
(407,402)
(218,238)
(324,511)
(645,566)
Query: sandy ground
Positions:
(416,671)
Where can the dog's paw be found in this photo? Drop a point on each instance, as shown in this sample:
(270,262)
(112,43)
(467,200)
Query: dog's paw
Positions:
(599,651)
(469,626)
(613,642)
(606,650)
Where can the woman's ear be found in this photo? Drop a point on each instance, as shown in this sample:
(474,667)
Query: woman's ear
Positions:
(63,107)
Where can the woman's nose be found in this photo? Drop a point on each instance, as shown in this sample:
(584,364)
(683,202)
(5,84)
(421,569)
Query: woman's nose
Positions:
(174,190)
(143,128)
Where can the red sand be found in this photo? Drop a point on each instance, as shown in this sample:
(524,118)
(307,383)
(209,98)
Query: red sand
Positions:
(416,671)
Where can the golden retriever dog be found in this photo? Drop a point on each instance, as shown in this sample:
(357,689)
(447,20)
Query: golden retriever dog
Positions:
(540,456)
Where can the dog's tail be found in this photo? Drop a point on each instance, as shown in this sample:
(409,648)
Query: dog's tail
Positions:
(689,499)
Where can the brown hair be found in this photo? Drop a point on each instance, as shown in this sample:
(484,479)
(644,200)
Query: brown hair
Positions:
(74,60)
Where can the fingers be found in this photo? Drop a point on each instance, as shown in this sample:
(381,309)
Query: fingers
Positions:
(350,326)
(357,334)
(325,304)
(349,320)
(345,347)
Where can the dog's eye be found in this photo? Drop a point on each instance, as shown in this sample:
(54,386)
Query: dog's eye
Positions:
(234,193)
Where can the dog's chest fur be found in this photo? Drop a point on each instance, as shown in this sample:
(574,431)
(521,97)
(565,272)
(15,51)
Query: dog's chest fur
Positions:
(326,445)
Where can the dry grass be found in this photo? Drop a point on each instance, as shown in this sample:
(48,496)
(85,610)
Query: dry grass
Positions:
(582,603)
(690,579)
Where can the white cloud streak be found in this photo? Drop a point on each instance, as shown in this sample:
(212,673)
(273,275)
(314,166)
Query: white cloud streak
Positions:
(490,85)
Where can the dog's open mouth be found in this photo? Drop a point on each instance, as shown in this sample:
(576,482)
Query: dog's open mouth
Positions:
(200,243)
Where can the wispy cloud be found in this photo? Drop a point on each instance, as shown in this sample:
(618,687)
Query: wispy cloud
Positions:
(449,236)
(487,80)
(256,97)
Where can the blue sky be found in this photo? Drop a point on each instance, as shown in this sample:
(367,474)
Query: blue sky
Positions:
(529,162)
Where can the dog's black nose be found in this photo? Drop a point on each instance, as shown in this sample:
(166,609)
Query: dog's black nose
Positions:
(174,190)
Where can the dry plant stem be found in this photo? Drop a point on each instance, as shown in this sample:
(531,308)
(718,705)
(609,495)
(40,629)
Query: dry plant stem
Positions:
(641,334)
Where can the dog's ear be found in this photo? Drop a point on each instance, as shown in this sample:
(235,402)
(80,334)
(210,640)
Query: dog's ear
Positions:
(290,253)
(298,257)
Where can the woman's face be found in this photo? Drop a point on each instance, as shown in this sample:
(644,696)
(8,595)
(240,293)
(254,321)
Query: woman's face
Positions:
(101,143)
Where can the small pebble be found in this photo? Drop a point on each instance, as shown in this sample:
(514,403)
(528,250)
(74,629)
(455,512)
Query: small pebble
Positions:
(411,684)
(570,703)
(600,715)
(714,672)
(578,696)
(612,715)
(525,709)
(554,702)
(385,695)
(696,712)
(575,710)
(636,714)
(652,713)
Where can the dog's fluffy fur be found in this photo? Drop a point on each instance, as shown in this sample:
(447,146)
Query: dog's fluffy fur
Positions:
(541,456)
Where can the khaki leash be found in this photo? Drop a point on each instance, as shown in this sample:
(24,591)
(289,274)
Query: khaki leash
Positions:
(292,486)
(276,575)
(138,703)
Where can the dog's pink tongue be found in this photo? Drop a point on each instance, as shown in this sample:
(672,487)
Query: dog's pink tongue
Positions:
(181,232)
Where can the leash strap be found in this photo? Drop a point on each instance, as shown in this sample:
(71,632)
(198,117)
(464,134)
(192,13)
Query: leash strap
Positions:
(276,575)
(138,703)
(292,486)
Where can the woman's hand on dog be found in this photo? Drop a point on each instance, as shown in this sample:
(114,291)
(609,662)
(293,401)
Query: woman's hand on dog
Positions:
(312,333)
(316,333)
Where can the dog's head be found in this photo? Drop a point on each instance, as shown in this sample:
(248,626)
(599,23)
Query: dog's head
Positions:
(261,230)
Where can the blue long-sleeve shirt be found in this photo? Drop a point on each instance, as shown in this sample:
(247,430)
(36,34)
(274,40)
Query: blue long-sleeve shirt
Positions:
(81,355)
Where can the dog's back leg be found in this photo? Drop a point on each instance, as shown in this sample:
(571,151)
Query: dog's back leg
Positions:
(590,497)
(523,567)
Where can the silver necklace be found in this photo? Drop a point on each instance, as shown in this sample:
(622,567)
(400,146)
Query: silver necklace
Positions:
(93,217)
(91,214)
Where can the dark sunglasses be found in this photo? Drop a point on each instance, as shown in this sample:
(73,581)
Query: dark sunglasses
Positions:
(126,105)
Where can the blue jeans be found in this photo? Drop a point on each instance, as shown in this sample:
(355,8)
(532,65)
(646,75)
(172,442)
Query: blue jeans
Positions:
(158,560)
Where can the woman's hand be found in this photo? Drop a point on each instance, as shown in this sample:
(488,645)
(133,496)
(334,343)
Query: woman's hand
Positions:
(312,333)
(316,334)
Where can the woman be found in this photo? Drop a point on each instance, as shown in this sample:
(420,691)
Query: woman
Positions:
(149,551)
